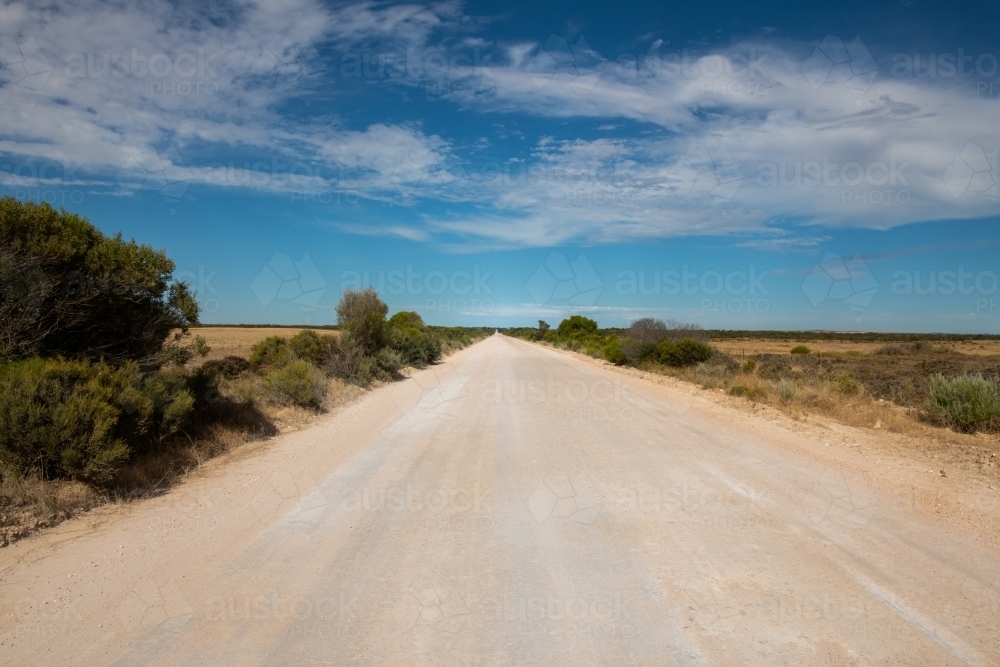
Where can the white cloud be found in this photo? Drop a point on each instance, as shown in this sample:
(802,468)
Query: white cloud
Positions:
(130,82)
(735,141)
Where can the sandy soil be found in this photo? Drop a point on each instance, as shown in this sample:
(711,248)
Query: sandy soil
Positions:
(519,505)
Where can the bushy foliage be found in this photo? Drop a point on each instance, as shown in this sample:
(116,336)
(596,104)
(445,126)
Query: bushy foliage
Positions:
(576,326)
(407,319)
(312,347)
(387,363)
(685,352)
(612,352)
(271,352)
(84,420)
(415,347)
(361,314)
(66,289)
(229,368)
(297,382)
(801,349)
(968,403)
(749,366)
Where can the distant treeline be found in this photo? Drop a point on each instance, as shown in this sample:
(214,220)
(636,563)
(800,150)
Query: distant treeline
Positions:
(714,334)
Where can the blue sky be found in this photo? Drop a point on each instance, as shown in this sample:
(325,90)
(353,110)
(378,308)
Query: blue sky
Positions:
(791,167)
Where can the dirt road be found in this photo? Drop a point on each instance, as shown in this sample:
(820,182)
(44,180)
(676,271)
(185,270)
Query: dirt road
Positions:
(516,506)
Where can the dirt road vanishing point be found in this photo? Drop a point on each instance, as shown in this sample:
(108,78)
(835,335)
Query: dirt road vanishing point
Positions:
(513,505)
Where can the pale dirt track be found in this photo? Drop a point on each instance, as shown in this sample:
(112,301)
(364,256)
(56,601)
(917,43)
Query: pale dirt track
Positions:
(513,506)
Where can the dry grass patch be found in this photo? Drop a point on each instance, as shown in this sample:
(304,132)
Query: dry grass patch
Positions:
(237,341)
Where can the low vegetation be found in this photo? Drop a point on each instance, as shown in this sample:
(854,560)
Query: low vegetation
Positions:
(648,342)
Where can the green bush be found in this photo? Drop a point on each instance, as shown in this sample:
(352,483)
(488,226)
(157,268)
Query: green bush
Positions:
(82,420)
(576,326)
(297,382)
(387,363)
(968,403)
(416,347)
(613,352)
(407,319)
(685,352)
(361,314)
(800,349)
(67,289)
(312,347)
(749,366)
(271,352)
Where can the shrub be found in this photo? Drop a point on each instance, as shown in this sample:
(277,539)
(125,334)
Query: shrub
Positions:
(749,366)
(891,350)
(415,347)
(407,319)
(786,390)
(685,352)
(361,314)
(387,364)
(649,330)
(848,386)
(172,402)
(312,347)
(81,420)
(637,351)
(968,403)
(613,352)
(297,382)
(576,326)
(67,289)
(350,363)
(801,349)
(271,352)
(229,368)
(753,393)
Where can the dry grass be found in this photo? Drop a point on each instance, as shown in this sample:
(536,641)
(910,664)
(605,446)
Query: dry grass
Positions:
(27,505)
(740,347)
(237,341)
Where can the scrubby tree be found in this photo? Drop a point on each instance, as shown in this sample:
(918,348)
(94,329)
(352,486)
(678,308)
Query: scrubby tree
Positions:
(649,330)
(576,326)
(361,315)
(67,289)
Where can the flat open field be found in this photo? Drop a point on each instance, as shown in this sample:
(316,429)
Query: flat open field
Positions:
(752,346)
(237,341)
